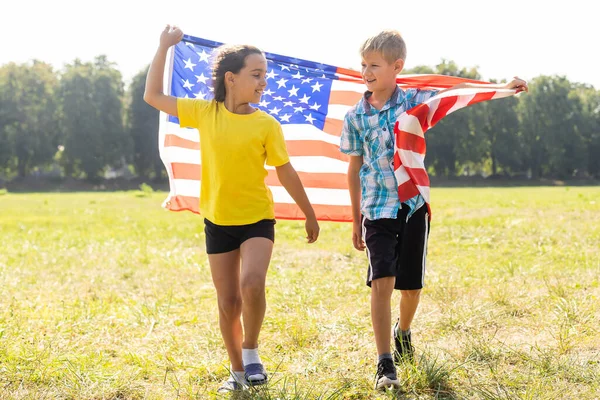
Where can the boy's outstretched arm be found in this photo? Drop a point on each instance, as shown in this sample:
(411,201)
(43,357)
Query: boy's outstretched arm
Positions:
(291,182)
(516,83)
(154,94)
(354,166)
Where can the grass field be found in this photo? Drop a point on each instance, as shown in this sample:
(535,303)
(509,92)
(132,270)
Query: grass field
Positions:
(107,296)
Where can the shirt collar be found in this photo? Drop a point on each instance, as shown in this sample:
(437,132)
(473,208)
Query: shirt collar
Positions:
(365,108)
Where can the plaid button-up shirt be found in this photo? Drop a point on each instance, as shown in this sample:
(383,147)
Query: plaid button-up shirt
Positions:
(369,133)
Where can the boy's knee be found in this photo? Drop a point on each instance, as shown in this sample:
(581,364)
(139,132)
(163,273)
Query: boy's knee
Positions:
(383,286)
(411,294)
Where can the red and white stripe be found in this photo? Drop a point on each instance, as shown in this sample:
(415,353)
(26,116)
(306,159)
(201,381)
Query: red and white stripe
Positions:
(410,128)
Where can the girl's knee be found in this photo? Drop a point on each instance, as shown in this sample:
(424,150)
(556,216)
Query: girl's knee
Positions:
(253,287)
(230,307)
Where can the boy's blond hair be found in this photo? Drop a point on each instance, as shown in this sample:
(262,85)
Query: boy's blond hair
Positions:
(388,43)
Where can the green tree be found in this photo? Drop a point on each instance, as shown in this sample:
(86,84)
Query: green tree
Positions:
(108,98)
(83,147)
(590,125)
(29,121)
(92,122)
(5,120)
(142,127)
(551,120)
(500,127)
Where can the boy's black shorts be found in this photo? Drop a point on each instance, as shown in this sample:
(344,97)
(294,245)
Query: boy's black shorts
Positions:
(398,248)
(225,238)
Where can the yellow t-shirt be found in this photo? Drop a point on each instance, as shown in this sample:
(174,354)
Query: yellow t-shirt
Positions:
(233,150)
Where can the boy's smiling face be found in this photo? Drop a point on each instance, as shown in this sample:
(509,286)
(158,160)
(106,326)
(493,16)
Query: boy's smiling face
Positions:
(379,74)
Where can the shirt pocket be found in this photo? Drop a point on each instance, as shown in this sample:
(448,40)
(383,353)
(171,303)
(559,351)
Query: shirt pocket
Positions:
(377,143)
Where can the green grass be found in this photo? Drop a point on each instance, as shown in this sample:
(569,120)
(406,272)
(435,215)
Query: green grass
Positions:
(107,296)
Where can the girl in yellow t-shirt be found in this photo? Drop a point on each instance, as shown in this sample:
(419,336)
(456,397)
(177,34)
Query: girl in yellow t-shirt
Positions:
(236,141)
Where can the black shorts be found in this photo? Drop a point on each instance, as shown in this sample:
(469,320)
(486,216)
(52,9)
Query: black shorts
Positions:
(225,238)
(398,248)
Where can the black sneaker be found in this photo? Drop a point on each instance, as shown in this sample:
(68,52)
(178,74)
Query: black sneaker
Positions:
(386,375)
(404,348)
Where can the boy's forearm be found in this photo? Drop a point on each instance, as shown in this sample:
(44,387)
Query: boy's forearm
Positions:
(468,85)
(477,86)
(291,182)
(482,85)
(354,189)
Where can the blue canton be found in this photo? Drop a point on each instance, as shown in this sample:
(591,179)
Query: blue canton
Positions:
(297,90)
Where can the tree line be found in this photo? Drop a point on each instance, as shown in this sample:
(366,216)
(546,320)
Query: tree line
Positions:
(82,119)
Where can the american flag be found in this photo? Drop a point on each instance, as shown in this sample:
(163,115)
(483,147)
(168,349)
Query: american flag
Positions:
(309,99)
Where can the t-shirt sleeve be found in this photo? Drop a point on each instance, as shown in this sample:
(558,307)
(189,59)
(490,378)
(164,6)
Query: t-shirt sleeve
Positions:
(350,142)
(275,148)
(190,111)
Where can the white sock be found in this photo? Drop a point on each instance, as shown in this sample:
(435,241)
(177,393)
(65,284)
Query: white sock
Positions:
(250,356)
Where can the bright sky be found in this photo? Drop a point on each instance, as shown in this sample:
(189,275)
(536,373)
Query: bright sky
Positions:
(501,38)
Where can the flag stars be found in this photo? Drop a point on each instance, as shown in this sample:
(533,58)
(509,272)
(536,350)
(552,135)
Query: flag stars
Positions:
(189,64)
(281,83)
(204,56)
(304,99)
(317,87)
(293,91)
(187,84)
(292,96)
(202,78)
(271,74)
